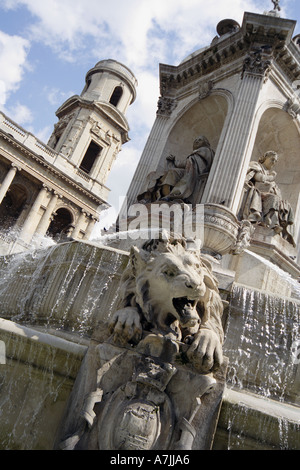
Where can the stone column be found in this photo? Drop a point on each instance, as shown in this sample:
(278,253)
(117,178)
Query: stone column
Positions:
(79,224)
(89,229)
(226,179)
(33,217)
(8,180)
(46,218)
(150,156)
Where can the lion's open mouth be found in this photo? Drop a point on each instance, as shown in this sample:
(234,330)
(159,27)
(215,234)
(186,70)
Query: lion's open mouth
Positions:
(186,309)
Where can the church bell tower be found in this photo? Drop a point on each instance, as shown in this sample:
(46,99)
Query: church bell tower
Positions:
(92,127)
(59,189)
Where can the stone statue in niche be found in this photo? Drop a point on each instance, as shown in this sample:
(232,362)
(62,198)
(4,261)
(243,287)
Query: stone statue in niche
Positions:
(264,204)
(159,376)
(181,180)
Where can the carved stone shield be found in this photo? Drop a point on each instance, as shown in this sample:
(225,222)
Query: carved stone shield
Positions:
(136,417)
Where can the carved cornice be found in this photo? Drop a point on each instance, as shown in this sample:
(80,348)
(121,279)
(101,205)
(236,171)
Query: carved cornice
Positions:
(258,31)
(288,58)
(52,170)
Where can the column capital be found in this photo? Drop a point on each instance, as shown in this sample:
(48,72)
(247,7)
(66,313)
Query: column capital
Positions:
(257,63)
(47,188)
(165,106)
(57,194)
(16,167)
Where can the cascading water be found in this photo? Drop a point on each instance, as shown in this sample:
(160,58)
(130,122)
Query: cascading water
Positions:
(61,287)
(53,301)
(267,326)
(260,335)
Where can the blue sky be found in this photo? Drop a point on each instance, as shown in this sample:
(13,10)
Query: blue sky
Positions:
(47,46)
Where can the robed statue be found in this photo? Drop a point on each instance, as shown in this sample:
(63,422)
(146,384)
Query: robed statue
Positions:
(264,203)
(182,180)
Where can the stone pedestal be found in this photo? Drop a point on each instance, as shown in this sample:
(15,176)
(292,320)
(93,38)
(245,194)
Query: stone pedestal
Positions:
(267,264)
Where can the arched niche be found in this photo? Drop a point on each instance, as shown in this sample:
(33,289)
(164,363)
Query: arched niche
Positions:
(277,131)
(12,205)
(61,223)
(205,117)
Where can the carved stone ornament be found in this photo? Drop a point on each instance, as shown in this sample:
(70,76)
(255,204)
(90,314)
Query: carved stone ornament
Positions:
(221,229)
(257,62)
(245,233)
(292,107)
(164,356)
(165,106)
(205,89)
(139,416)
(96,128)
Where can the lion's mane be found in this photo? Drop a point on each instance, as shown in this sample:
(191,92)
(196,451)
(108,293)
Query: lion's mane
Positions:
(134,285)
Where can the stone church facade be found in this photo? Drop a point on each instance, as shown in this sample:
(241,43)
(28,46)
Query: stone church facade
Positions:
(59,188)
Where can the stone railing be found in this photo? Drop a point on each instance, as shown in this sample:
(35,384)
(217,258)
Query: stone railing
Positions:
(47,153)
(26,138)
(83,175)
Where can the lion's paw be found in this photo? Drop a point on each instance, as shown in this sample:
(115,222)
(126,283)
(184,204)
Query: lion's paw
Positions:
(205,352)
(125,326)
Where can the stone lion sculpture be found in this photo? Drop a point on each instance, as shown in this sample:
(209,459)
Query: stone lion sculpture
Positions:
(169,290)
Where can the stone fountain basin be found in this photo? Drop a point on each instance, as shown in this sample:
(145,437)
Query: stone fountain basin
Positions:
(220,229)
(71,286)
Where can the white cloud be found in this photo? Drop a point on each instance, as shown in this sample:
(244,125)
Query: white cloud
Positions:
(55,96)
(20,113)
(44,133)
(13,55)
(139,31)
(147,96)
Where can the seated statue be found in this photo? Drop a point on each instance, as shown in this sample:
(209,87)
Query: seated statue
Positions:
(180,181)
(264,203)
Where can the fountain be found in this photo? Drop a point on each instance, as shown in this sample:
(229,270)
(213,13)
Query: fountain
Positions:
(141,341)
(49,311)
(56,303)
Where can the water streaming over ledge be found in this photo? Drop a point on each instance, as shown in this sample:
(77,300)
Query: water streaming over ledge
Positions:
(53,301)
(261,331)
(69,286)
(262,375)
(73,287)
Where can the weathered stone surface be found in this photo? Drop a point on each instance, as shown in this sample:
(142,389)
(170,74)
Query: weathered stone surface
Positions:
(170,313)
(36,378)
